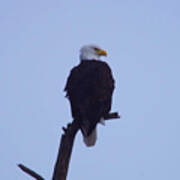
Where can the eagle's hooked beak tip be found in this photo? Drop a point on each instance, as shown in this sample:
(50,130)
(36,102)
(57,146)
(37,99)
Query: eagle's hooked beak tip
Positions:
(102,53)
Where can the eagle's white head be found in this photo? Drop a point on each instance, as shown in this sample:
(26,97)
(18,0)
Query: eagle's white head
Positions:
(91,52)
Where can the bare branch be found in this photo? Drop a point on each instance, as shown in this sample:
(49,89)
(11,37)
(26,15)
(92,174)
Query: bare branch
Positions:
(65,150)
(30,172)
(66,145)
(113,115)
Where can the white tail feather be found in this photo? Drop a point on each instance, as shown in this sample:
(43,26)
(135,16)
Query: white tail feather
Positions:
(91,139)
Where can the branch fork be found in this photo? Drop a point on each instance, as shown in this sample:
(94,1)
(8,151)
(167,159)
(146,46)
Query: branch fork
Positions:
(65,151)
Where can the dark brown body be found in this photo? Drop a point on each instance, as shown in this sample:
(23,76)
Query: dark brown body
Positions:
(89,89)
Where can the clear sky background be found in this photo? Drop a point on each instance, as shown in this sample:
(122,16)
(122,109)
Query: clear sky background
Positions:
(39,44)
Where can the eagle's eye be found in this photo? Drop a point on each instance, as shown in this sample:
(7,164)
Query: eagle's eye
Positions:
(96,49)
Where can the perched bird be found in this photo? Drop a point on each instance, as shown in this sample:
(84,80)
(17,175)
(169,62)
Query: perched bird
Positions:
(89,89)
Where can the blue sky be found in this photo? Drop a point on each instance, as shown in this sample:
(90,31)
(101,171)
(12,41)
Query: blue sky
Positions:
(40,42)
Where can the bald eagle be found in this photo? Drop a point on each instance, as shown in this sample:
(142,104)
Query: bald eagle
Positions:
(89,89)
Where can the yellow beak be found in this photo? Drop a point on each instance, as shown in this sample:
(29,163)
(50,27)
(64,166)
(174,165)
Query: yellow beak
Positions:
(101,52)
